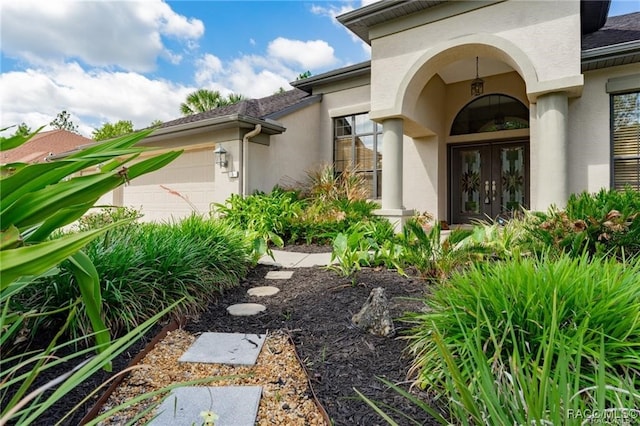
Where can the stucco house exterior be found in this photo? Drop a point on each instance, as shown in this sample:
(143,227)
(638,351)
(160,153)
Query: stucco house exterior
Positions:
(467,109)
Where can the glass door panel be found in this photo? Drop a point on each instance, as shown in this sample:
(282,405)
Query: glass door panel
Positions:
(512,179)
(488,180)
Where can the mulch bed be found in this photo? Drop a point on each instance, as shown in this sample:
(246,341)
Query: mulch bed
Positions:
(315,307)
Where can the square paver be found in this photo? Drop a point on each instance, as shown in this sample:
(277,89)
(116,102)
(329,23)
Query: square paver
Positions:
(234,406)
(315,259)
(279,275)
(225,348)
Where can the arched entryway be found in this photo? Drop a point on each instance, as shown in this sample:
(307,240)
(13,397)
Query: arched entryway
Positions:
(488,177)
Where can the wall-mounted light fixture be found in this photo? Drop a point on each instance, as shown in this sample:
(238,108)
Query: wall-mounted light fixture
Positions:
(477,85)
(221,156)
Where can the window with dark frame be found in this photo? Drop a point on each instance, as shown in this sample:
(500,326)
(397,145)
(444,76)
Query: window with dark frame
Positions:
(625,140)
(357,145)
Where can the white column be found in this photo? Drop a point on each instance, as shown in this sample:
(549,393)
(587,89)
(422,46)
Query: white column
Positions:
(552,179)
(392,164)
(392,207)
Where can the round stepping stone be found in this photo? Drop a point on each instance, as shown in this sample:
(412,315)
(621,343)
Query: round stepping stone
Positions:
(266,290)
(245,309)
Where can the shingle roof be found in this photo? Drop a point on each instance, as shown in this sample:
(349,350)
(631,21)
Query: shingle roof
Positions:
(43,144)
(618,29)
(258,108)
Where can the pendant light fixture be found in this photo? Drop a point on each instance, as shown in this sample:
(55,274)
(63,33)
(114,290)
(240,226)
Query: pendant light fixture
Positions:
(477,85)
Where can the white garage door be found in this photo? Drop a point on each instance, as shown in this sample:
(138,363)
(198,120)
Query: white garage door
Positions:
(175,191)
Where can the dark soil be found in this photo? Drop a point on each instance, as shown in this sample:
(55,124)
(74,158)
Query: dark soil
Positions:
(315,307)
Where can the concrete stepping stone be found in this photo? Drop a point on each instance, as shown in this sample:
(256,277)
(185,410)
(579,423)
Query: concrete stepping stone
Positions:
(245,309)
(225,348)
(234,406)
(262,291)
(279,275)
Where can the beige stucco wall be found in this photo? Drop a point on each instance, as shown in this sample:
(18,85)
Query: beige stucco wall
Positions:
(407,59)
(589,130)
(289,155)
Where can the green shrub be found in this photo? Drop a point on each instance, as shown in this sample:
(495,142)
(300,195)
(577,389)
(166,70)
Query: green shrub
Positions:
(150,267)
(106,216)
(534,333)
(266,218)
(602,224)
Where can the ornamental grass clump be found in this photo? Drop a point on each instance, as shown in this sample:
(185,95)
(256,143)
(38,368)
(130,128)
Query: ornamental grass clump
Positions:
(532,340)
(146,267)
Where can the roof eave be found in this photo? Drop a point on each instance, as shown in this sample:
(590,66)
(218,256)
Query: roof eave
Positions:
(269,126)
(620,53)
(352,71)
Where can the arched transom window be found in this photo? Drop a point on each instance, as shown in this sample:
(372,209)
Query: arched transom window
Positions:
(491,113)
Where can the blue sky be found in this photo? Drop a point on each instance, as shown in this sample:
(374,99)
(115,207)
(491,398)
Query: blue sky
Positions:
(111,60)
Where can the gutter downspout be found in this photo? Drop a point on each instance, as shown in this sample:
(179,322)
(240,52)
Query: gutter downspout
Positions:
(244,159)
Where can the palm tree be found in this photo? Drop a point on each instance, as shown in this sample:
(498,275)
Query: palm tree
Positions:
(205,100)
(234,98)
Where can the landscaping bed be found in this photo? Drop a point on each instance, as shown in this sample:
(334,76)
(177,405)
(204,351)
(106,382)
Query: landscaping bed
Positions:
(315,307)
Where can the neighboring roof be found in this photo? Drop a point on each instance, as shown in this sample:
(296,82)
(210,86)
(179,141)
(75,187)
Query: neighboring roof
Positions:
(42,145)
(617,43)
(263,109)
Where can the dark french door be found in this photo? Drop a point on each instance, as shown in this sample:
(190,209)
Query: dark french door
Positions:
(488,180)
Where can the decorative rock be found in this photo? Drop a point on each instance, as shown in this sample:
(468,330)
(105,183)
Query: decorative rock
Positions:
(374,316)
(245,309)
(266,290)
(279,275)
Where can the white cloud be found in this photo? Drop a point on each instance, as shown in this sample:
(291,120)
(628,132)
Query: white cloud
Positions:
(311,55)
(127,34)
(207,67)
(261,75)
(331,11)
(91,97)
(253,76)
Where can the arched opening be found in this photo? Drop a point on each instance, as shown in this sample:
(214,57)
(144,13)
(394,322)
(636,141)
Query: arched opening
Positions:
(491,113)
(489,177)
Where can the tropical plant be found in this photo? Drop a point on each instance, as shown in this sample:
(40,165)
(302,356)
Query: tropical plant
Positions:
(203,100)
(535,336)
(35,201)
(604,224)
(266,218)
(350,252)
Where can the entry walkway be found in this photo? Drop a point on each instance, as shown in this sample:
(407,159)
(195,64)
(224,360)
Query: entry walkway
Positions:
(231,405)
(288,259)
